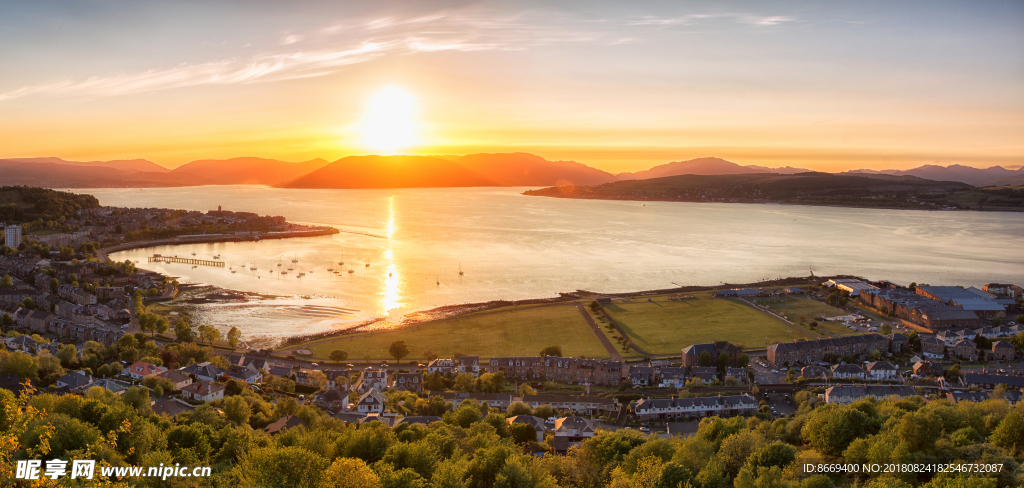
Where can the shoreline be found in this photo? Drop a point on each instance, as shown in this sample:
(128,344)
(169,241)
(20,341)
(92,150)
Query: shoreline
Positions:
(103,253)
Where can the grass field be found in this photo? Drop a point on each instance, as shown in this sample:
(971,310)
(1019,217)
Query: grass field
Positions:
(795,307)
(665,327)
(511,332)
(602,323)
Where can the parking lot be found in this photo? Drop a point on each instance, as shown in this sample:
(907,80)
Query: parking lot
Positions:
(763,374)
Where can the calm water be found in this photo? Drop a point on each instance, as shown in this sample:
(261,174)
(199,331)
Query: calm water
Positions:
(515,247)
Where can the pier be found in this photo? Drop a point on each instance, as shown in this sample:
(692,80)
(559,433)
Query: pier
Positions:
(174,259)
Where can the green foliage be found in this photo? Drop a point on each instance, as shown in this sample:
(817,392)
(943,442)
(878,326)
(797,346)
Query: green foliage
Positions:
(555,350)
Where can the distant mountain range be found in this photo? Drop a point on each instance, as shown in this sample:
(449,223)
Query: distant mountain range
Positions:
(499,169)
(994,176)
(704,166)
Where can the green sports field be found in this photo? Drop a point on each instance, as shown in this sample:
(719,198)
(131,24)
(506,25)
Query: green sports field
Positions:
(795,307)
(665,327)
(511,332)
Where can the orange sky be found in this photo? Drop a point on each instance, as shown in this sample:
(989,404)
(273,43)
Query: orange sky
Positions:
(619,88)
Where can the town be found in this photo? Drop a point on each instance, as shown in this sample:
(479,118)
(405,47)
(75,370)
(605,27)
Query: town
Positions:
(81,328)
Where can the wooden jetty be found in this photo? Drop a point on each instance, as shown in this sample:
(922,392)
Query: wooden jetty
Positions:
(174,259)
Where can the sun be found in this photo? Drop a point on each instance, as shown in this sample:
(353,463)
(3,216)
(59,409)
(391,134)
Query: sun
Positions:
(389,123)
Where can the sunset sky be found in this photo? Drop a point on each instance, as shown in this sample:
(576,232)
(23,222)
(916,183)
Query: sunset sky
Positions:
(620,86)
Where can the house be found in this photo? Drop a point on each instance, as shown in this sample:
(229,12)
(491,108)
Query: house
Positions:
(666,409)
(672,377)
(579,404)
(39,321)
(846,394)
(22,343)
(898,343)
(468,364)
(422,420)
(371,402)
(304,376)
(810,352)
(500,401)
(338,379)
(928,368)
(966,349)
(691,354)
(601,372)
(111,385)
(705,374)
(932,348)
(12,382)
(204,371)
(991,380)
(332,400)
(247,375)
(373,379)
(141,370)
(282,423)
(571,431)
(171,407)
(75,380)
(1003,289)
(881,370)
(442,366)
(409,382)
(280,371)
(815,371)
(1003,351)
(739,373)
(641,376)
(175,376)
(204,391)
(536,422)
(848,371)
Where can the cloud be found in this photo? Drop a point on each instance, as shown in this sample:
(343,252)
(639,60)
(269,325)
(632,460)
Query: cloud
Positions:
(692,19)
(331,49)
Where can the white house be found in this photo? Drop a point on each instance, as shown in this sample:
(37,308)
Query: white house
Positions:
(204,391)
(882,370)
(371,402)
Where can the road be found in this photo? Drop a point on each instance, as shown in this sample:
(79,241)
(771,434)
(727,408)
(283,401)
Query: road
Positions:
(600,335)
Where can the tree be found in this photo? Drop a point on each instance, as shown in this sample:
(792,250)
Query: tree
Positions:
(338,355)
(595,306)
(67,355)
(551,351)
(316,378)
(6,281)
(704,359)
(743,360)
(209,334)
(6,321)
(183,331)
(519,408)
(54,285)
(350,473)
(813,325)
(237,410)
(398,350)
(233,335)
(723,361)
(886,329)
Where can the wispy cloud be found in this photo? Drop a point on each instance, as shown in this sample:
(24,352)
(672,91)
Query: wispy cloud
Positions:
(693,19)
(329,50)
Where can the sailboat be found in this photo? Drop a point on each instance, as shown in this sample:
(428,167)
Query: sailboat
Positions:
(367,263)
(460,270)
(278,261)
(438,280)
(342,262)
(295,259)
(193,251)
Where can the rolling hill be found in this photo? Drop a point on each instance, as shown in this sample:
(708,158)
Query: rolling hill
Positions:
(524,169)
(390,172)
(703,166)
(847,190)
(248,171)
